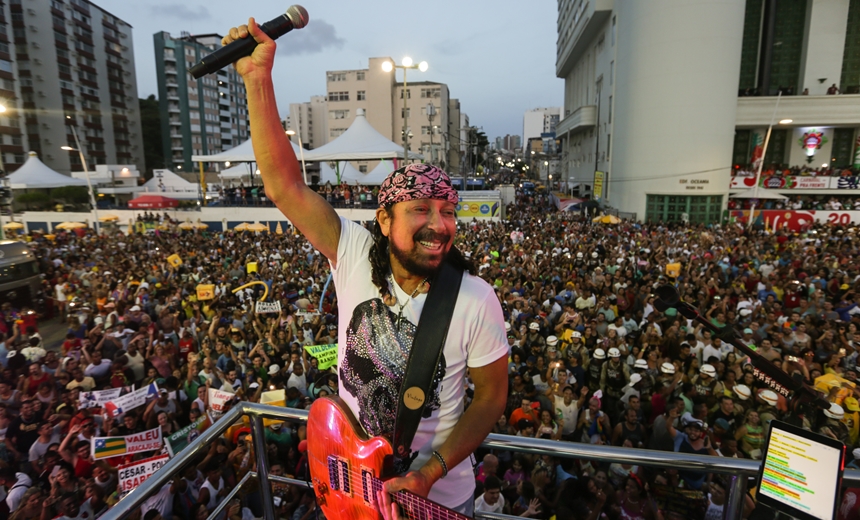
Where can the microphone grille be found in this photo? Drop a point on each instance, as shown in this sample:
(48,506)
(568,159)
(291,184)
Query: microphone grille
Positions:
(298,15)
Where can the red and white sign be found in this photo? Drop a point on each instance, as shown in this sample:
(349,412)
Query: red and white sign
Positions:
(134,474)
(798,220)
(218,399)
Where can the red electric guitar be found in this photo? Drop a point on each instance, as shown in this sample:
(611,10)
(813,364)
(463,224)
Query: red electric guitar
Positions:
(345,464)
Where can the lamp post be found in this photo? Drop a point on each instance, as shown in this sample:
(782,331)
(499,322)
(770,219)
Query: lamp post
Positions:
(301,152)
(4,181)
(86,173)
(406,63)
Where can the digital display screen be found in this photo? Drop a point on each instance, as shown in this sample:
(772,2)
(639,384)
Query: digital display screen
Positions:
(801,472)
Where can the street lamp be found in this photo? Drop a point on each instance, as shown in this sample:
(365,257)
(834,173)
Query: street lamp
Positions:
(4,181)
(86,172)
(406,63)
(301,152)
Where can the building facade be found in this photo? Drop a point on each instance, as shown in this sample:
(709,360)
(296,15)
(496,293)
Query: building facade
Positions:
(67,63)
(539,121)
(428,112)
(665,102)
(198,116)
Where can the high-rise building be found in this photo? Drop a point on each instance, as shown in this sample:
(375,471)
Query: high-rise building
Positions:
(539,121)
(80,73)
(663,101)
(198,116)
(428,111)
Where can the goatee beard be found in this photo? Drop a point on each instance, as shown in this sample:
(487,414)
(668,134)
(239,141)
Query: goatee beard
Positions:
(411,263)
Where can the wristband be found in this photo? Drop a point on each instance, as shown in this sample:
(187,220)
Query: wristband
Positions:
(441,461)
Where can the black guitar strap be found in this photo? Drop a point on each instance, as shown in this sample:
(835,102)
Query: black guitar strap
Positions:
(423,360)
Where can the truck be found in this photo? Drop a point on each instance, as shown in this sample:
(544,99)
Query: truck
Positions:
(20,280)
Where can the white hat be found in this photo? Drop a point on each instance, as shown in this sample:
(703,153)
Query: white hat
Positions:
(274,369)
(667,368)
(742,391)
(745,312)
(614,353)
(634,378)
(599,354)
(135,308)
(253,386)
(577,334)
(594,254)
(507,326)
(551,341)
(708,370)
(856,453)
(835,412)
(641,363)
(769,396)
(534,326)
(579,255)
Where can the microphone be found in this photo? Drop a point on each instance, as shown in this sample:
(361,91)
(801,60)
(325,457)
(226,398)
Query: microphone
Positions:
(296,17)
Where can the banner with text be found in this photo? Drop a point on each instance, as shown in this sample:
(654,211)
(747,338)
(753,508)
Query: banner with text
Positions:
(797,221)
(122,404)
(268,307)
(218,399)
(98,398)
(106,447)
(182,438)
(796,182)
(325,354)
(134,474)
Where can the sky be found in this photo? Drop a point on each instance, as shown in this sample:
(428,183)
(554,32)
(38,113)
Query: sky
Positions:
(497,57)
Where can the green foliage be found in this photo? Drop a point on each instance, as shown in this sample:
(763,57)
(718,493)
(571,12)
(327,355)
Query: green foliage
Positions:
(34,200)
(71,194)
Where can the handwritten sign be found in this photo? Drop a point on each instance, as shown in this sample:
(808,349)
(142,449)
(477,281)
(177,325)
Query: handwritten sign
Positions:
(268,307)
(134,474)
(325,354)
(218,400)
(106,447)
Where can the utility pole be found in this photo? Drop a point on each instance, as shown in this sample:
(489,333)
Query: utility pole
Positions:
(431,114)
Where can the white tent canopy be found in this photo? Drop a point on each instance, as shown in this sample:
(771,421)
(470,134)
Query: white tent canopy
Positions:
(240,171)
(33,174)
(167,183)
(348,173)
(360,142)
(242,153)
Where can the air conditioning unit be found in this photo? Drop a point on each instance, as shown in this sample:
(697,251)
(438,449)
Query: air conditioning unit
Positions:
(37,61)
(33,28)
(36,45)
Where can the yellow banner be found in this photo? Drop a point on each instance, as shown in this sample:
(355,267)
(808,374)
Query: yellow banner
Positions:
(477,208)
(597,186)
(325,354)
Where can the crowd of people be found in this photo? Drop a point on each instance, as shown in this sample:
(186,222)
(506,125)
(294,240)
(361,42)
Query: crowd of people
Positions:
(591,359)
(344,195)
(796,202)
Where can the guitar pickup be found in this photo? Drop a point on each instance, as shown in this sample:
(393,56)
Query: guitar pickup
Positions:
(367,490)
(333,473)
(343,465)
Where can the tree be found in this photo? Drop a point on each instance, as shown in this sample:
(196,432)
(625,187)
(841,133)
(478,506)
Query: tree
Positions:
(71,195)
(150,123)
(36,200)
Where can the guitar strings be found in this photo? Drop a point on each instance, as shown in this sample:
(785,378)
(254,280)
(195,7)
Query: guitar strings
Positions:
(376,485)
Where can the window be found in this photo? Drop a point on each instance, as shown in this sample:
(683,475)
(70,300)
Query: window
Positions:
(338,96)
(4,47)
(337,76)
(67,85)
(60,37)
(404,113)
(6,66)
(360,95)
(81,17)
(112,33)
(62,53)
(610,110)
(85,47)
(611,72)
(359,75)
(613,32)
(339,114)
(362,168)
(336,132)
(408,94)
(58,20)
(57,4)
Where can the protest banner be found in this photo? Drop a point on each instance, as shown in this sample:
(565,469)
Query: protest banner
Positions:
(106,447)
(175,260)
(122,404)
(98,398)
(134,474)
(325,354)
(182,438)
(268,307)
(307,314)
(218,399)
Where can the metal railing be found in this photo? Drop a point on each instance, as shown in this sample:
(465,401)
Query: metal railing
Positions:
(738,469)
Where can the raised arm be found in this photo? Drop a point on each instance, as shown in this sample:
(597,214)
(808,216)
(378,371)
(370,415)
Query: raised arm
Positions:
(282,175)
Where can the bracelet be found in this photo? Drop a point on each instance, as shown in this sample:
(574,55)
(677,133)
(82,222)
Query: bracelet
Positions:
(441,461)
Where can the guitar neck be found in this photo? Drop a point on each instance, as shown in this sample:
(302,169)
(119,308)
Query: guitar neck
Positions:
(415,507)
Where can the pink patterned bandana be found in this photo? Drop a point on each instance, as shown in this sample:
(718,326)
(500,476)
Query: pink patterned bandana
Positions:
(417,181)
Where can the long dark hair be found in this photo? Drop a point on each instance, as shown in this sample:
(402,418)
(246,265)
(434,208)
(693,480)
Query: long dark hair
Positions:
(380,263)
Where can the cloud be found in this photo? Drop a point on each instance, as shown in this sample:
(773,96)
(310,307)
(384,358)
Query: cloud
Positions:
(182,12)
(318,35)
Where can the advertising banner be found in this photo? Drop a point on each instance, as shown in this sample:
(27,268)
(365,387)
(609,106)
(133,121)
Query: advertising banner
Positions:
(597,186)
(98,398)
(799,220)
(122,404)
(182,438)
(478,208)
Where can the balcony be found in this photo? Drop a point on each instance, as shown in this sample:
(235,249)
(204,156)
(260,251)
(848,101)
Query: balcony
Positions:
(587,25)
(173,109)
(843,110)
(581,119)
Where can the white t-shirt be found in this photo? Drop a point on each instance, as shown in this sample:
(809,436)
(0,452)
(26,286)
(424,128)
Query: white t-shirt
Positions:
(498,507)
(568,413)
(476,338)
